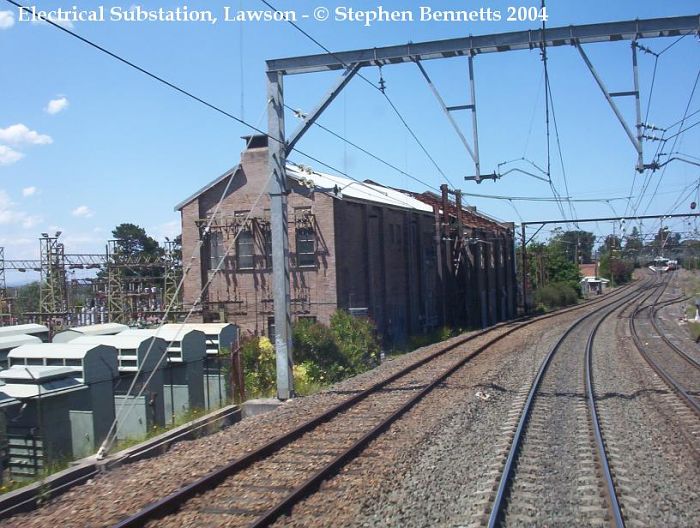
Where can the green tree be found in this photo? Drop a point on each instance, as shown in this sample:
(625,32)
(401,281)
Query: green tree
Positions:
(576,243)
(27,298)
(133,241)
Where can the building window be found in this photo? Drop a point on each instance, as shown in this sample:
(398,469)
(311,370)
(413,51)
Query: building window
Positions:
(307,318)
(267,247)
(216,248)
(244,250)
(306,247)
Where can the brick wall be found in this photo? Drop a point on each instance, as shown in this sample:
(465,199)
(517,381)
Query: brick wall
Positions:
(367,256)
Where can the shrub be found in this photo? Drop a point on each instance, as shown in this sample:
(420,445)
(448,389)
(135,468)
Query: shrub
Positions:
(315,347)
(555,295)
(259,366)
(355,338)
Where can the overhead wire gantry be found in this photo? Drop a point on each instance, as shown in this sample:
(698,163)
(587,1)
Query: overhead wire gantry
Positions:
(351,62)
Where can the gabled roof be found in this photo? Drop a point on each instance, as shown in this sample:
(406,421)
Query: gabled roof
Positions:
(22,329)
(208,186)
(119,341)
(14,341)
(341,187)
(53,350)
(338,187)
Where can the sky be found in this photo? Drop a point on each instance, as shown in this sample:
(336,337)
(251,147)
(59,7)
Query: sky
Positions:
(87,143)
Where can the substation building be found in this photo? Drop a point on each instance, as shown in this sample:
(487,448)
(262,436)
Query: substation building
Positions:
(409,261)
(66,402)
(184,367)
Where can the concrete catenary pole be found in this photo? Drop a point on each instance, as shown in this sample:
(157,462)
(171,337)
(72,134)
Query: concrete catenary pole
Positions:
(278,191)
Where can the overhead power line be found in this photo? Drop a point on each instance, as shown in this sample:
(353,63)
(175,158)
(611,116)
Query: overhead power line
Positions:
(380,88)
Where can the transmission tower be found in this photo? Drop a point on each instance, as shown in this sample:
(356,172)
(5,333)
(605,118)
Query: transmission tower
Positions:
(171,278)
(53,291)
(115,281)
(4,302)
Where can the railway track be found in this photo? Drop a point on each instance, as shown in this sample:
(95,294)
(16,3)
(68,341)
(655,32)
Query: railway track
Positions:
(555,465)
(675,367)
(263,485)
(660,331)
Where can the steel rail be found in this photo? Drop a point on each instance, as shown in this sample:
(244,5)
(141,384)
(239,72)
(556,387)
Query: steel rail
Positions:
(314,482)
(670,381)
(172,502)
(601,453)
(503,485)
(655,323)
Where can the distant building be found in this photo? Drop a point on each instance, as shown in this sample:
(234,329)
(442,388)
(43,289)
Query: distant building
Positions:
(391,255)
(590,282)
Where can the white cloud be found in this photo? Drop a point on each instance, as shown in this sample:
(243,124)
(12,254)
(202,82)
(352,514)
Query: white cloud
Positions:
(9,215)
(82,211)
(29,191)
(169,229)
(56,105)
(9,156)
(21,134)
(7,19)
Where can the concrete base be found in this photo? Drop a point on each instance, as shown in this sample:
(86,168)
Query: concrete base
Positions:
(259,406)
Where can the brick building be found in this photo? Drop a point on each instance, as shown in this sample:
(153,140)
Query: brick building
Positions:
(392,255)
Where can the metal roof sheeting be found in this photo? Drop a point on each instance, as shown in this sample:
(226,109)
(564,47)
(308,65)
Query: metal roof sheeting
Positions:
(166,332)
(52,351)
(344,188)
(13,341)
(92,330)
(22,329)
(36,372)
(119,341)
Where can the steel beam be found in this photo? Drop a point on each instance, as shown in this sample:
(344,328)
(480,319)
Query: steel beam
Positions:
(637,105)
(278,190)
(635,142)
(475,129)
(446,110)
(611,218)
(493,43)
(327,100)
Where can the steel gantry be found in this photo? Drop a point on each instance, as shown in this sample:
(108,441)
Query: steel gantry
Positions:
(55,298)
(352,61)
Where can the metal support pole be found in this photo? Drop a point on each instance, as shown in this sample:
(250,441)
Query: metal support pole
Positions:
(637,145)
(523,273)
(638,107)
(474,124)
(280,238)
(474,155)
(327,100)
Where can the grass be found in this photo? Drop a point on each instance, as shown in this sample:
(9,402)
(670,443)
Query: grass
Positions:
(46,471)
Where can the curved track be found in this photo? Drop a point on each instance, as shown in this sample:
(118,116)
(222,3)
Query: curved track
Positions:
(558,439)
(315,451)
(678,370)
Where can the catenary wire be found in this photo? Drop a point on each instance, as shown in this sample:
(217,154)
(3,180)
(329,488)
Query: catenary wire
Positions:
(373,85)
